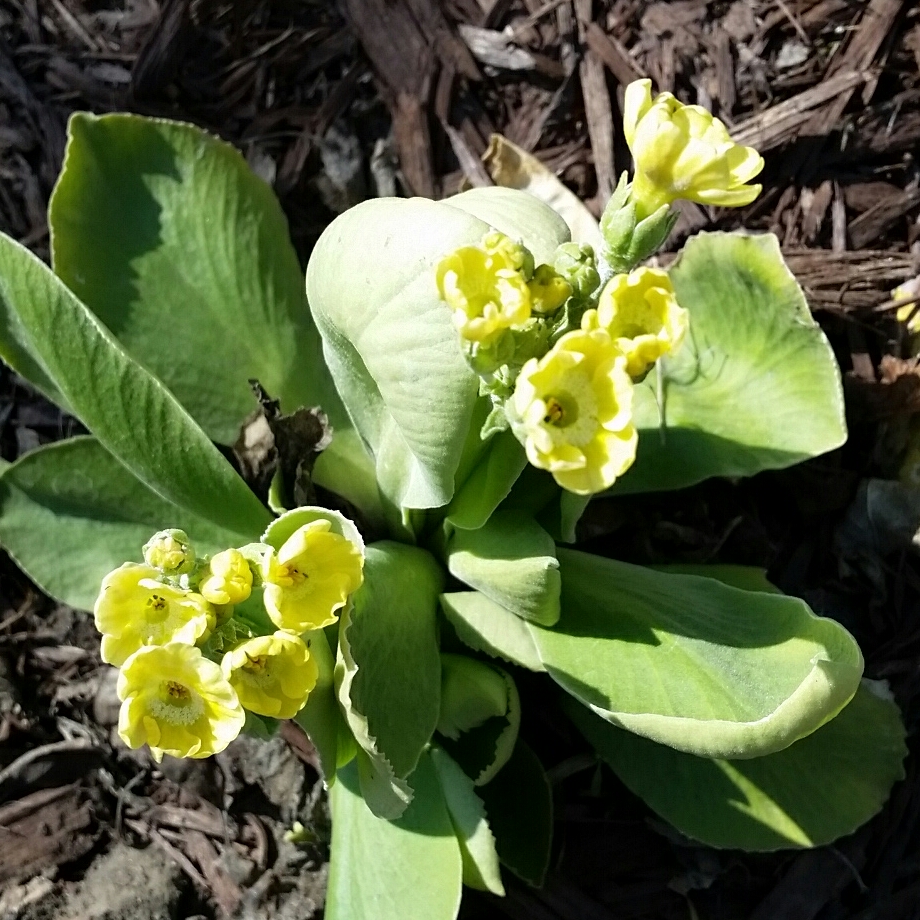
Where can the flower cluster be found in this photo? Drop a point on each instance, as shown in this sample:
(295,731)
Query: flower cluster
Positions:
(196,647)
(558,360)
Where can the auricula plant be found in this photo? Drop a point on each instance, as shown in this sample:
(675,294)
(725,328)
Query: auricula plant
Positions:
(484,376)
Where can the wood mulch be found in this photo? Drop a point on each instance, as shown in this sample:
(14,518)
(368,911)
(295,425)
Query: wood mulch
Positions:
(333,103)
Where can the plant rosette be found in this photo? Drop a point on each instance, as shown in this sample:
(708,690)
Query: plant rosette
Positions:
(481,384)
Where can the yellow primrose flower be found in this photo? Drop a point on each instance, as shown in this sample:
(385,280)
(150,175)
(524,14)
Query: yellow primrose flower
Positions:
(170,551)
(910,312)
(310,578)
(178,702)
(574,412)
(228,579)
(272,675)
(641,315)
(486,287)
(548,290)
(682,151)
(135,609)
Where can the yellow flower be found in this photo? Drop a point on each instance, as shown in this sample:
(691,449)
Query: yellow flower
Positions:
(178,702)
(574,412)
(642,316)
(548,290)
(910,312)
(681,151)
(228,579)
(486,287)
(311,577)
(134,609)
(272,675)
(169,551)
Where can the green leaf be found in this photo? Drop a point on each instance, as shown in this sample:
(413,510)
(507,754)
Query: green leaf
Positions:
(809,794)
(468,816)
(167,235)
(321,718)
(393,870)
(489,483)
(282,528)
(483,748)
(512,561)
(519,806)
(745,577)
(517,214)
(754,387)
(488,627)
(693,663)
(390,341)
(388,675)
(70,513)
(130,411)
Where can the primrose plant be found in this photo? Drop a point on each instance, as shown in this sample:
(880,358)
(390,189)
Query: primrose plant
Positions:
(483,376)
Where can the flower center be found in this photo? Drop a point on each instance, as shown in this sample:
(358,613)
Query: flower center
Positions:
(255,662)
(561,411)
(157,607)
(177,704)
(177,692)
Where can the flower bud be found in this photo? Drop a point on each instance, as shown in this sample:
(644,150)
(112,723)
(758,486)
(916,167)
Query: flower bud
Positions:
(629,240)
(575,262)
(170,551)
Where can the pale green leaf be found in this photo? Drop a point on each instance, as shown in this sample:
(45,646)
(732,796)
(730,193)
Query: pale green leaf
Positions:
(389,339)
(811,793)
(70,513)
(488,627)
(393,870)
(132,414)
(489,482)
(166,234)
(482,750)
(467,814)
(693,663)
(511,560)
(388,675)
(321,718)
(755,385)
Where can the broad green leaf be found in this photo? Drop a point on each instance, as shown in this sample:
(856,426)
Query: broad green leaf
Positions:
(745,577)
(129,410)
(70,513)
(488,627)
(811,793)
(754,387)
(519,806)
(517,214)
(393,870)
(467,814)
(511,560)
(693,663)
(388,675)
(165,232)
(390,341)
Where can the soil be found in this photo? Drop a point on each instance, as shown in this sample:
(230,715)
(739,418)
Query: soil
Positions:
(334,103)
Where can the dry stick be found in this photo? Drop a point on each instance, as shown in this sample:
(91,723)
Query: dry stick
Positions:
(795,23)
(597,107)
(769,128)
